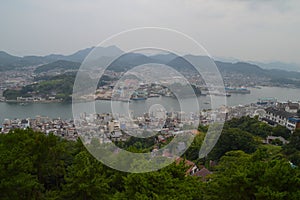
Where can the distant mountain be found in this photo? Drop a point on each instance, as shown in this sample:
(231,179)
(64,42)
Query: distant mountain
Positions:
(264,65)
(80,55)
(182,64)
(164,58)
(278,65)
(276,76)
(60,65)
(241,68)
(110,51)
(130,60)
(7,59)
(226,59)
(9,62)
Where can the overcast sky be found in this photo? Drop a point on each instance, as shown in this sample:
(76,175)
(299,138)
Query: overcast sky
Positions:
(260,30)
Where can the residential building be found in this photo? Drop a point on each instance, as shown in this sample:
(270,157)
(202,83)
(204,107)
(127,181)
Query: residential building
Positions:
(276,116)
(293,123)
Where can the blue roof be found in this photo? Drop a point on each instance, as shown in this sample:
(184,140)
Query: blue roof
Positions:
(267,99)
(293,119)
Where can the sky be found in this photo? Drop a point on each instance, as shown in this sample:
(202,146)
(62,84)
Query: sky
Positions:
(257,30)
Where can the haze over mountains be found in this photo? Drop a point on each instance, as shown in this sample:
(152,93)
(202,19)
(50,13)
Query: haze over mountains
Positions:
(265,65)
(127,61)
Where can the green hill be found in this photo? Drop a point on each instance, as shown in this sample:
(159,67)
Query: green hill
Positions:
(60,65)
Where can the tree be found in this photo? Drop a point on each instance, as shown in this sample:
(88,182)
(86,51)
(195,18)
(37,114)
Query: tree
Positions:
(281,131)
(168,183)
(86,179)
(233,139)
(292,149)
(251,125)
(244,176)
(18,175)
(192,152)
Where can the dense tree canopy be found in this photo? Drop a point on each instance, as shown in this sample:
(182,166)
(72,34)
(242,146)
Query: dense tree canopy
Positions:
(243,176)
(38,166)
(233,139)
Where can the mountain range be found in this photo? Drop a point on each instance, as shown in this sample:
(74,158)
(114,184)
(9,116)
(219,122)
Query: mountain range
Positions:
(10,62)
(129,60)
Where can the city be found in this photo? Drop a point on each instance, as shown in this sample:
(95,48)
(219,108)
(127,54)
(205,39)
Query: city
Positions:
(150,100)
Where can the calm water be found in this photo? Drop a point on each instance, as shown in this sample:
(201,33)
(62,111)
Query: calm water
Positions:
(64,111)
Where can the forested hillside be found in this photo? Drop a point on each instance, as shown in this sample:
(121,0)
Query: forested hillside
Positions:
(36,166)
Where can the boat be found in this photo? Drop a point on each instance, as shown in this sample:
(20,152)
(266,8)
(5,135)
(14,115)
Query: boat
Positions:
(138,98)
(139,95)
(217,93)
(266,101)
(153,95)
(126,100)
(240,90)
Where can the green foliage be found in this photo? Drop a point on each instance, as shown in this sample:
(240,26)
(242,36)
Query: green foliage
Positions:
(250,125)
(233,139)
(193,151)
(13,94)
(168,183)
(202,128)
(86,179)
(244,176)
(135,144)
(292,149)
(281,131)
(36,166)
(31,163)
(60,65)
(60,86)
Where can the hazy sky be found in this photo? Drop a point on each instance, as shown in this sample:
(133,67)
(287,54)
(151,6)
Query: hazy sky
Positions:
(261,30)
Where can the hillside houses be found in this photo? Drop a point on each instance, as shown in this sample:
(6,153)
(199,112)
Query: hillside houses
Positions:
(276,116)
(284,114)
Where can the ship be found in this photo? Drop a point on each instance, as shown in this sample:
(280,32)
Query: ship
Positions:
(240,90)
(153,95)
(139,95)
(267,101)
(138,98)
(218,93)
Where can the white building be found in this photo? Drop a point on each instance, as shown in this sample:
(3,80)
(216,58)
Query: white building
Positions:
(275,116)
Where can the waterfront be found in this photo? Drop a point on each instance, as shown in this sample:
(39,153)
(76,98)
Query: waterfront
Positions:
(64,110)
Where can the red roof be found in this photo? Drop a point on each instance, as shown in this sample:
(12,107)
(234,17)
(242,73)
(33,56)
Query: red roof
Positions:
(202,173)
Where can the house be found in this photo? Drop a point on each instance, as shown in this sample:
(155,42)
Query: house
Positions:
(292,107)
(181,147)
(268,101)
(194,170)
(25,124)
(161,139)
(289,106)
(116,135)
(113,125)
(203,173)
(192,166)
(270,139)
(276,116)
(167,153)
(293,123)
